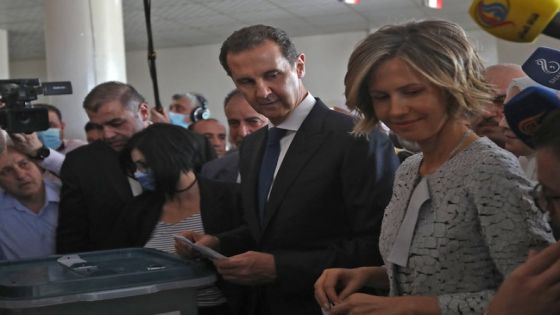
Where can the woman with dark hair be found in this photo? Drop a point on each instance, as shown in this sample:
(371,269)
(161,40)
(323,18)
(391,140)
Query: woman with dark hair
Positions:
(174,199)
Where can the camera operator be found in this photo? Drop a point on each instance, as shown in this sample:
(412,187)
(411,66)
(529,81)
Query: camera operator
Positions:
(47,147)
(53,138)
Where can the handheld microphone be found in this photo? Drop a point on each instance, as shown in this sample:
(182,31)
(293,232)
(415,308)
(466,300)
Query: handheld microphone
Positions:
(543,66)
(517,20)
(526,111)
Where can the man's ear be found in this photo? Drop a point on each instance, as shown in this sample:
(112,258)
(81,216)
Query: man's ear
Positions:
(144,111)
(300,65)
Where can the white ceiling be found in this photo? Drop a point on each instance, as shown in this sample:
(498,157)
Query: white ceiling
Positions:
(177,23)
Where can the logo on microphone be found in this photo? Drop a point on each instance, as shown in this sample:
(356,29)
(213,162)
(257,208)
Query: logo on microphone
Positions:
(548,67)
(530,125)
(493,14)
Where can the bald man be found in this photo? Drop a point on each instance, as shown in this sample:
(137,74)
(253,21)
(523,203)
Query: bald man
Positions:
(486,124)
(215,132)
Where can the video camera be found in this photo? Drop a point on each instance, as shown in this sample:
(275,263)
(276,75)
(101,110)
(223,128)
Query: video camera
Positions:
(17,115)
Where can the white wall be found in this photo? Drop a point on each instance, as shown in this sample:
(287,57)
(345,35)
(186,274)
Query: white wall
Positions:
(30,69)
(518,52)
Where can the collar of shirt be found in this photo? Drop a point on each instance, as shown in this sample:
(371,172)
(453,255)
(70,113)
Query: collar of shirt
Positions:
(52,195)
(298,115)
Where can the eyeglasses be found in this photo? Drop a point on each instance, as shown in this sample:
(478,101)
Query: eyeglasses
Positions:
(544,202)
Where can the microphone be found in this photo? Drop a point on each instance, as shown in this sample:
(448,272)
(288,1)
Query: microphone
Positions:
(526,111)
(517,20)
(543,66)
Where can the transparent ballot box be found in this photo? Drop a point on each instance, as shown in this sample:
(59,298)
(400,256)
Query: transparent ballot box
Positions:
(123,281)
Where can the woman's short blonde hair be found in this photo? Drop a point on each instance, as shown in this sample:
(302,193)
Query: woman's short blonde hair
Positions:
(439,50)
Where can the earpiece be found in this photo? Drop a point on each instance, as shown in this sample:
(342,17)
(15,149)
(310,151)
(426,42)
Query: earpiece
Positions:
(200,112)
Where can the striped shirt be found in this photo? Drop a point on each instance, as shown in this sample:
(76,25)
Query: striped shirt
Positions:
(162,239)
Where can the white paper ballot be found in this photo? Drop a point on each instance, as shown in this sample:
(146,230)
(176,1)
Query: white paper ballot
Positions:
(204,251)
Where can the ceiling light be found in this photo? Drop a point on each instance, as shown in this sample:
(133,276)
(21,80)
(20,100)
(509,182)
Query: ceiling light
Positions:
(350,1)
(434,4)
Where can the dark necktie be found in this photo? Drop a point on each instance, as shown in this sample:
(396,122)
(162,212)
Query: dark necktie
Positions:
(270,158)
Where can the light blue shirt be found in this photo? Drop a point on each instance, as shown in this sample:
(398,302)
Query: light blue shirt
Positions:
(25,234)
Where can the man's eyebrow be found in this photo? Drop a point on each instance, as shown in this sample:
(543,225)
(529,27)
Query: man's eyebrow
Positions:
(112,121)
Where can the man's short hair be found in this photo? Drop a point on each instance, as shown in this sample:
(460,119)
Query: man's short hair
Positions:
(50,108)
(231,95)
(193,125)
(110,91)
(252,36)
(190,96)
(90,126)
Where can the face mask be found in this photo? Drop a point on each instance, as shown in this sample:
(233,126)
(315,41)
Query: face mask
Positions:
(50,138)
(178,119)
(146,180)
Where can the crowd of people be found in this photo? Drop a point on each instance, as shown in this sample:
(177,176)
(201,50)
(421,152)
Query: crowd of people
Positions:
(310,205)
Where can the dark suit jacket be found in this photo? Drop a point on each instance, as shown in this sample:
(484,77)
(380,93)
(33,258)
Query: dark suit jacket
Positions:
(224,169)
(95,190)
(324,210)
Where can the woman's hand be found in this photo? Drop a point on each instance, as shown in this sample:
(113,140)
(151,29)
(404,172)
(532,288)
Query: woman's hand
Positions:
(362,304)
(349,280)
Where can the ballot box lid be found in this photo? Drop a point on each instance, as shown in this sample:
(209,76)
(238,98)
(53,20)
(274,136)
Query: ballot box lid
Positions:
(91,276)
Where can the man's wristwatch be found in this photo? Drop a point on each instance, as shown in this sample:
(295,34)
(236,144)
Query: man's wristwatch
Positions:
(42,153)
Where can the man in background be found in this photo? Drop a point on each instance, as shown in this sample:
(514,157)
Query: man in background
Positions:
(95,186)
(242,121)
(53,138)
(486,124)
(93,133)
(214,131)
(47,147)
(181,108)
(28,207)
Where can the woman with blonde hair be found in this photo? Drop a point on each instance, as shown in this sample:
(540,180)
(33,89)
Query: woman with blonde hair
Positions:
(461,216)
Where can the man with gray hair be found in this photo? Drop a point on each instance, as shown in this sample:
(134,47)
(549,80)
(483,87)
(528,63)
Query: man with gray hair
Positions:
(181,108)
(95,185)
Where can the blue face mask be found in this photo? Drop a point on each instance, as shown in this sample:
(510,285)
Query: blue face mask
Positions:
(146,180)
(178,119)
(50,138)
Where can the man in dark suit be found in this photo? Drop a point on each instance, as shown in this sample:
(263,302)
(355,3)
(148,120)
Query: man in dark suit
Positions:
(323,208)
(95,187)
(242,120)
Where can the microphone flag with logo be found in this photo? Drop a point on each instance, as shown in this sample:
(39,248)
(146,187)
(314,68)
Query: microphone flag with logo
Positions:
(526,111)
(517,20)
(543,66)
